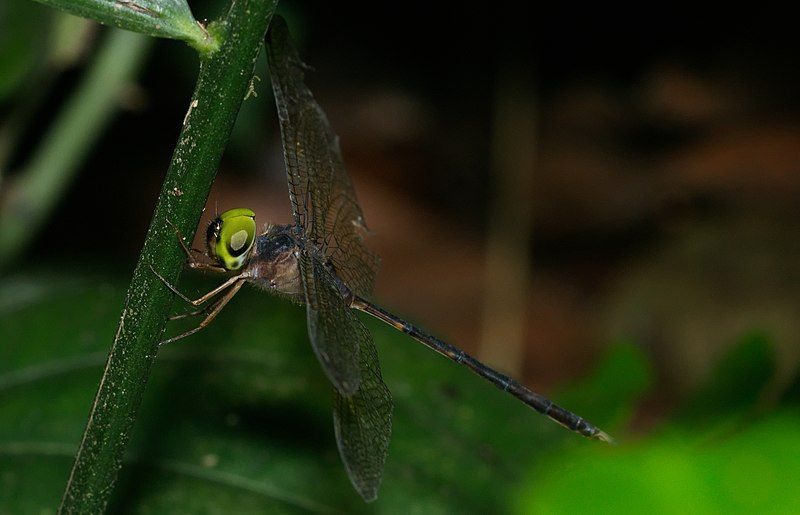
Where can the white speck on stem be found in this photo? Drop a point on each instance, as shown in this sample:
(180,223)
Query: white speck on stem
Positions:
(191,106)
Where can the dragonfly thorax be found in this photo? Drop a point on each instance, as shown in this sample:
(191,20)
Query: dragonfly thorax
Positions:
(273,264)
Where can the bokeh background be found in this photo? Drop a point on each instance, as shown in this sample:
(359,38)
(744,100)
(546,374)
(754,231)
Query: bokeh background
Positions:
(600,202)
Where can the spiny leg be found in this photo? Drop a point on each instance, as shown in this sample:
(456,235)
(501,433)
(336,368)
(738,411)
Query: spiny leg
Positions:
(206,267)
(194,263)
(188,314)
(205,298)
(181,240)
(217,307)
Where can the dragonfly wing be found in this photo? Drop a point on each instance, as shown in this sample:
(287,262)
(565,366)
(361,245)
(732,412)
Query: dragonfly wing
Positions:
(325,207)
(323,198)
(335,331)
(363,425)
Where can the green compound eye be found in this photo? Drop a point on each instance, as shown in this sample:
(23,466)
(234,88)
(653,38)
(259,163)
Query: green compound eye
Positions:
(237,232)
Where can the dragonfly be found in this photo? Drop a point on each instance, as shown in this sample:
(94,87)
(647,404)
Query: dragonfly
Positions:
(321,261)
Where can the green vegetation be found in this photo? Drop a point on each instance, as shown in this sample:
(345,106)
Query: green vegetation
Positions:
(160,18)
(227,60)
(245,427)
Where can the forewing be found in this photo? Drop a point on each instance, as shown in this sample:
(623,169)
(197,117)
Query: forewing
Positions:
(323,198)
(335,331)
(324,205)
(363,425)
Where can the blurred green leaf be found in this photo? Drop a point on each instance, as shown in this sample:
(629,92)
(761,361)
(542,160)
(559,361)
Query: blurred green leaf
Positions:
(161,18)
(48,171)
(70,39)
(754,471)
(609,396)
(238,419)
(22,40)
(791,395)
(737,382)
(716,456)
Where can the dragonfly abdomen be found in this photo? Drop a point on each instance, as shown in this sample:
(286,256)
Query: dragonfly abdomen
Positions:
(536,401)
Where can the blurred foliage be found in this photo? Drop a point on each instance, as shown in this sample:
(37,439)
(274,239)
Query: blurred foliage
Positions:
(237,419)
(21,41)
(754,470)
(726,451)
(738,382)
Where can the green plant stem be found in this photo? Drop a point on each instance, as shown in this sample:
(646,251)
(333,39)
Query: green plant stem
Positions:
(31,196)
(221,87)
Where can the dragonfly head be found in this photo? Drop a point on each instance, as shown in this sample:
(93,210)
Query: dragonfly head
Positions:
(230,237)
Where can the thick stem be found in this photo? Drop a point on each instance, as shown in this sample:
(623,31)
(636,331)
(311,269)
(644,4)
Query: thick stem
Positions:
(221,87)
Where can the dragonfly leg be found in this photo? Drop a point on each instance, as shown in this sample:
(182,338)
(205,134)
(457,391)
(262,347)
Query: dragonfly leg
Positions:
(205,298)
(206,267)
(192,261)
(188,314)
(217,307)
(182,241)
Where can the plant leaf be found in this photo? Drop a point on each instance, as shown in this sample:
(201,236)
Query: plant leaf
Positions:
(20,43)
(161,18)
(239,418)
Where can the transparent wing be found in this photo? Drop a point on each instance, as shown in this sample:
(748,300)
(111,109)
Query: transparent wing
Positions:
(335,331)
(363,425)
(323,199)
(324,205)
